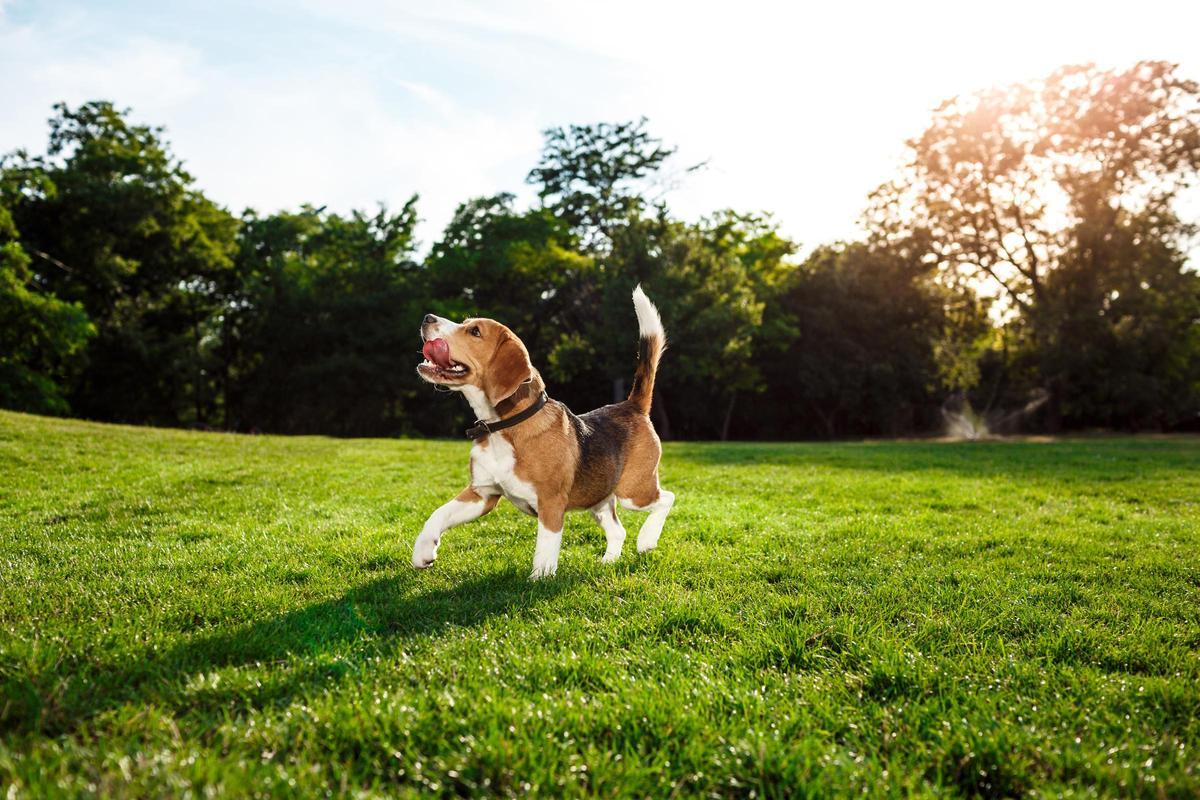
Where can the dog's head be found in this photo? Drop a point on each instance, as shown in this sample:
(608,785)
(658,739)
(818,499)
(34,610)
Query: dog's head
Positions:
(475,352)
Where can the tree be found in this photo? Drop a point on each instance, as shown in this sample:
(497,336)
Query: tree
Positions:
(321,328)
(590,176)
(1002,177)
(705,279)
(863,356)
(114,224)
(40,335)
(523,268)
(1042,194)
(1123,349)
(709,280)
(519,266)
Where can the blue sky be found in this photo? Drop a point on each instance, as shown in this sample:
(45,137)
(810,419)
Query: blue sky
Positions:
(798,111)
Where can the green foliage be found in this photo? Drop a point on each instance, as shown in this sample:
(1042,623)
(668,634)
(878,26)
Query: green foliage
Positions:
(40,336)
(863,357)
(209,614)
(1124,346)
(117,227)
(591,175)
(710,280)
(966,337)
(1051,205)
(523,268)
(314,333)
(1060,195)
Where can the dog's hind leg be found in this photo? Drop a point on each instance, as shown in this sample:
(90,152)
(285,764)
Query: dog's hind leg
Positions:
(605,515)
(469,505)
(659,505)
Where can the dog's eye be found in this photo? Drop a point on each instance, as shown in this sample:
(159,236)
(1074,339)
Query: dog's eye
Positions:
(475,332)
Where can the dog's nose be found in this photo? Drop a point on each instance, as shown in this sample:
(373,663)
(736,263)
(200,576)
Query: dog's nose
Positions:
(430,318)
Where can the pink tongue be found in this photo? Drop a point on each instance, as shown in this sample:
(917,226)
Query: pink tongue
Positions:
(437,351)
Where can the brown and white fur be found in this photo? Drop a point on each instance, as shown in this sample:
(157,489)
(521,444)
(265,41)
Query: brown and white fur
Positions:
(554,461)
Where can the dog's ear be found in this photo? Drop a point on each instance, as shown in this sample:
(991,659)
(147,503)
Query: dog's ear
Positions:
(508,369)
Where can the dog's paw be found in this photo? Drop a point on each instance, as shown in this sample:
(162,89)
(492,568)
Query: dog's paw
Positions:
(424,553)
(544,570)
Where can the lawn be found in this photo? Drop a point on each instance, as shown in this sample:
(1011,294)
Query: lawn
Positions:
(237,615)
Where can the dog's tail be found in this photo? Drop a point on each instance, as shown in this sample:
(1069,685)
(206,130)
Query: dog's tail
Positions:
(651,344)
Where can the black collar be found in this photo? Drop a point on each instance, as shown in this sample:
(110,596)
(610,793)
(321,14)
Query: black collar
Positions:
(482,428)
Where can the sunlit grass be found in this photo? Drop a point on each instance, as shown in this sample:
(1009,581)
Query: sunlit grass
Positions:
(222,613)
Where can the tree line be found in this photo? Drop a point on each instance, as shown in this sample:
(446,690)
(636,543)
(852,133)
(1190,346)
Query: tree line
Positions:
(1031,255)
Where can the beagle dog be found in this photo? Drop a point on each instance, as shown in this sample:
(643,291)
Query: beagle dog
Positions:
(534,451)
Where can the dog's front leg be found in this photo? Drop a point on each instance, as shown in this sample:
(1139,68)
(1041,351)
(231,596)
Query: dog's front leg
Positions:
(549,539)
(469,505)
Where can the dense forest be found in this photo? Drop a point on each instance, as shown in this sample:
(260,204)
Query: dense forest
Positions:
(1027,268)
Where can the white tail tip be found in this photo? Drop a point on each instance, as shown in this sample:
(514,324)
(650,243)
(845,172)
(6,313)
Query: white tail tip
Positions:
(649,323)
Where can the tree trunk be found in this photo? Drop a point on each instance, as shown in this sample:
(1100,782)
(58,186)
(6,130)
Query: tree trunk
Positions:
(197,392)
(662,422)
(728,418)
(226,371)
(827,420)
(1054,415)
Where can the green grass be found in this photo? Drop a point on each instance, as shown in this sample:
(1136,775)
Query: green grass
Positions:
(226,614)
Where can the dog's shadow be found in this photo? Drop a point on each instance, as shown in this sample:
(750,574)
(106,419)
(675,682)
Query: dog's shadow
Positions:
(387,608)
(304,649)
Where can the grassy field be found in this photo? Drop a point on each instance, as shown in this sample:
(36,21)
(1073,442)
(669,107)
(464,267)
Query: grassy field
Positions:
(225,614)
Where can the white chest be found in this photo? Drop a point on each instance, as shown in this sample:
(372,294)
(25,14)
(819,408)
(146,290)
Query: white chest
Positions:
(495,465)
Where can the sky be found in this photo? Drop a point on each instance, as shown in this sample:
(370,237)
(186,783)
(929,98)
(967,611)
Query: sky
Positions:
(797,111)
